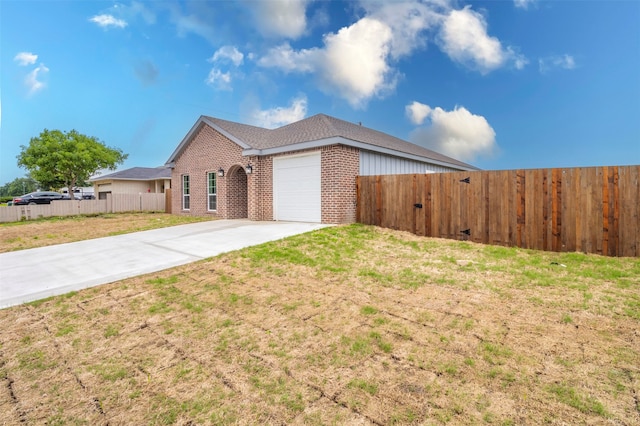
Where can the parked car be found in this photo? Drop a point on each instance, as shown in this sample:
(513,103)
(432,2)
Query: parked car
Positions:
(77,197)
(40,197)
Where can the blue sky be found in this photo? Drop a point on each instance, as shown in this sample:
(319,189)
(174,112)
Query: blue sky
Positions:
(499,84)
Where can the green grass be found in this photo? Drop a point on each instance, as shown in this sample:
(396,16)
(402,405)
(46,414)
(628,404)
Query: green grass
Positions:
(65,328)
(112,330)
(35,360)
(368,310)
(585,404)
(364,385)
(387,326)
(110,371)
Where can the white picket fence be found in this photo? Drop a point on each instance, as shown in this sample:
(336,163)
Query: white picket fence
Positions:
(115,203)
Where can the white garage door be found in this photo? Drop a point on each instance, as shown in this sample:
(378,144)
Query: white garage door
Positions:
(296,188)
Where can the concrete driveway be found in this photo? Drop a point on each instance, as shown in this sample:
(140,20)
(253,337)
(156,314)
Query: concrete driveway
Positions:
(29,275)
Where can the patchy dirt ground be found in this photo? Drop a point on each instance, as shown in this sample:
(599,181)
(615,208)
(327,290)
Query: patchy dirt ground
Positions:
(346,325)
(47,232)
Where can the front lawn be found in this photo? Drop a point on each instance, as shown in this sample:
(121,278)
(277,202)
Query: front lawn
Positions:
(58,230)
(345,325)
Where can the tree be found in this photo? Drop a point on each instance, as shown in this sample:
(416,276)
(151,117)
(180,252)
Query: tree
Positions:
(18,186)
(57,159)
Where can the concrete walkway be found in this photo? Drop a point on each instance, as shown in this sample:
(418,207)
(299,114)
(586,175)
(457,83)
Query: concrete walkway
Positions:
(29,275)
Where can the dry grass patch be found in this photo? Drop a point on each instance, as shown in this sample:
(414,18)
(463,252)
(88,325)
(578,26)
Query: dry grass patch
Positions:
(59,230)
(346,325)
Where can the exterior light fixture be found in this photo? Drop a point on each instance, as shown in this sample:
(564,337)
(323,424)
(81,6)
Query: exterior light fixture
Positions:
(221,172)
(249,169)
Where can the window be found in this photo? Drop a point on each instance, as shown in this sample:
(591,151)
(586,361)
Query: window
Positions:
(185,192)
(212,200)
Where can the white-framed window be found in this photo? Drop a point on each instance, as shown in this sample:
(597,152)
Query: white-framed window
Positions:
(186,191)
(212,191)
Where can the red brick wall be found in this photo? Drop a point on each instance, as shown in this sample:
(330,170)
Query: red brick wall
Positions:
(340,166)
(207,152)
(261,188)
(241,195)
(236,193)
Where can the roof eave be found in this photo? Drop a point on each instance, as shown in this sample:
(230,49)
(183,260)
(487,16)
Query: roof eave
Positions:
(356,144)
(135,179)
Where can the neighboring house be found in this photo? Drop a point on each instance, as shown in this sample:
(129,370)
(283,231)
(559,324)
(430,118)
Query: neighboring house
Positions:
(133,181)
(305,171)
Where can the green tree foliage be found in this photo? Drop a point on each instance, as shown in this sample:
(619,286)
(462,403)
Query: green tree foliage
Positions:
(18,186)
(56,159)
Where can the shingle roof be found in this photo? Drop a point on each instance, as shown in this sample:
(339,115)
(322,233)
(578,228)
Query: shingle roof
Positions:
(316,129)
(138,173)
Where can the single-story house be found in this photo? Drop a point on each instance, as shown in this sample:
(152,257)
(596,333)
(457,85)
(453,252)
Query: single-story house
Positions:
(304,171)
(133,181)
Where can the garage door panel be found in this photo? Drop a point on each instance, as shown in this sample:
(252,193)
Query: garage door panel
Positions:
(297,188)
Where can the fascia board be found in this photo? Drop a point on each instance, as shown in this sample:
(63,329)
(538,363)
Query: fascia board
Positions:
(136,179)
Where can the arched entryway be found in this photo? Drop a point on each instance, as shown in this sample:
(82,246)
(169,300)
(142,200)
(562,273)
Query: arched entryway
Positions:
(237,193)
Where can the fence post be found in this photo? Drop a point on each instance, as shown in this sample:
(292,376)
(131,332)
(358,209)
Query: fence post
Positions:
(167,200)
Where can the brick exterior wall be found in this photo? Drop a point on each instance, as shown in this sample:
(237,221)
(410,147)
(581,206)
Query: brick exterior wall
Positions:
(261,188)
(236,198)
(340,166)
(207,152)
(251,196)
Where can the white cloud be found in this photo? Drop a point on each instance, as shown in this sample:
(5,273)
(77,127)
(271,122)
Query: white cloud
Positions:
(566,62)
(464,38)
(288,60)
(358,62)
(219,80)
(280,18)
(355,61)
(408,20)
(106,21)
(352,63)
(523,4)
(281,116)
(228,53)
(417,112)
(25,58)
(457,133)
(32,79)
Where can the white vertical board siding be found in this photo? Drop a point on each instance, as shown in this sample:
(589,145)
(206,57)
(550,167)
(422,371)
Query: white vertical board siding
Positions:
(297,188)
(372,164)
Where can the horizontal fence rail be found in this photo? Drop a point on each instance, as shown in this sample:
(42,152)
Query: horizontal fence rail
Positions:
(115,203)
(591,210)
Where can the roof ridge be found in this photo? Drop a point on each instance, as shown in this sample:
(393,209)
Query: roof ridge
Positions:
(327,119)
(237,123)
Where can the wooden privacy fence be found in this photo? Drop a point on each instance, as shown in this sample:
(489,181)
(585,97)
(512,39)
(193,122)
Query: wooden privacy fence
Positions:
(592,210)
(115,203)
